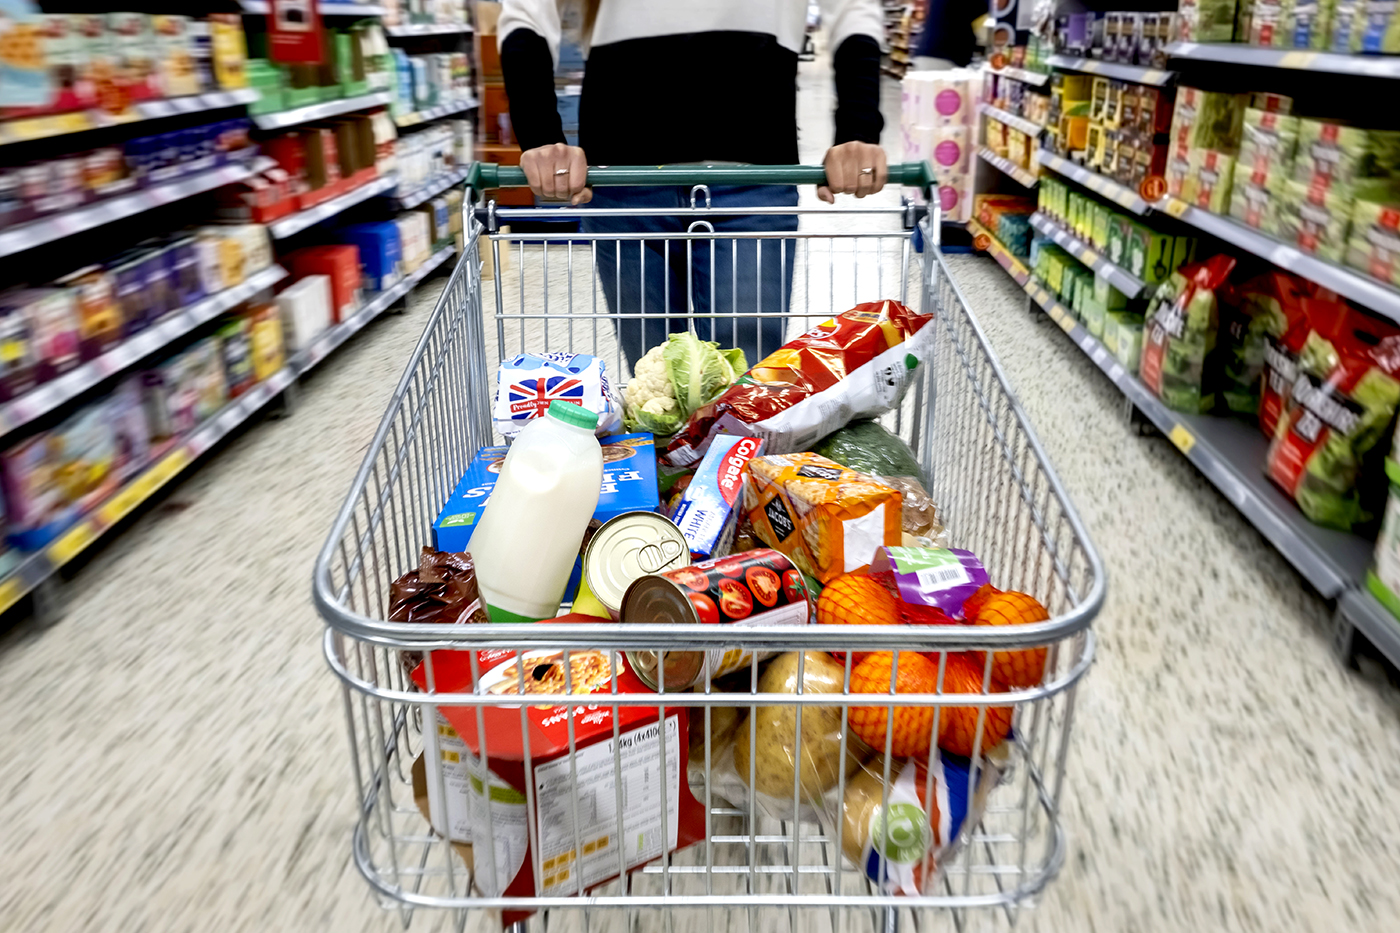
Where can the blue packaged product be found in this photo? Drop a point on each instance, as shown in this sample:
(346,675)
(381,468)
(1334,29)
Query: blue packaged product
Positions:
(707,512)
(200,148)
(182,264)
(381,253)
(140,158)
(629,485)
(169,150)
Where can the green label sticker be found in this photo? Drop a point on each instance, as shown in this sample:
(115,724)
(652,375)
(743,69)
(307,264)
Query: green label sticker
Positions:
(452,521)
(901,833)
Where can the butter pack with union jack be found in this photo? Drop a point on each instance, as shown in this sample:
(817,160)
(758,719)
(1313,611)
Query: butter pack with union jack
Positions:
(526,385)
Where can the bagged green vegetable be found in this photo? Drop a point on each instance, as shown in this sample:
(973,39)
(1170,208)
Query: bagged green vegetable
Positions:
(1263,311)
(675,378)
(1180,333)
(1327,452)
(866,447)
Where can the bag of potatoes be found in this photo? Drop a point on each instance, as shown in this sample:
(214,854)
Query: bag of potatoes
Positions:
(774,758)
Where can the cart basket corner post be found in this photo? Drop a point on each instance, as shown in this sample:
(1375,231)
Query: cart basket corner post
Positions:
(590,839)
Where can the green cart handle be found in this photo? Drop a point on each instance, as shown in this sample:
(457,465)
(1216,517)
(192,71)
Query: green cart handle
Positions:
(484,175)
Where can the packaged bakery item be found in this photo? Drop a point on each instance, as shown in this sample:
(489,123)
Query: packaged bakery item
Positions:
(707,509)
(828,519)
(901,819)
(1327,449)
(526,788)
(856,365)
(526,384)
(1180,334)
(752,589)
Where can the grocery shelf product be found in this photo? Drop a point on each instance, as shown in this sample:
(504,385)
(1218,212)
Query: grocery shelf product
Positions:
(938,120)
(708,501)
(627,547)
(829,520)
(523,784)
(527,386)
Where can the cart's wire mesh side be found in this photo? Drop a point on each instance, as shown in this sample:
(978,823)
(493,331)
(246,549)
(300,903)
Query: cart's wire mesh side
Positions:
(983,467)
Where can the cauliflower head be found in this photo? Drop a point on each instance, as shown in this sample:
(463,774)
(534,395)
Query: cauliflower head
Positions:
(649,401)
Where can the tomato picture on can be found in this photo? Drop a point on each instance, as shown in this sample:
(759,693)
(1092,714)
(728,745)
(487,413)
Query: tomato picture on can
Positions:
(753,588)
(745,587)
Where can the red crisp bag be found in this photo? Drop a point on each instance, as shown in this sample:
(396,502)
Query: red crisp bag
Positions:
(856,365)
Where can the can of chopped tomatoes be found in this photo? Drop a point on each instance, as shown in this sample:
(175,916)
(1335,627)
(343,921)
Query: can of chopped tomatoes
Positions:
(754,588)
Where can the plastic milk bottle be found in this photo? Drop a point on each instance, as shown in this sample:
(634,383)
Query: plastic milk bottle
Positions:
(528,539)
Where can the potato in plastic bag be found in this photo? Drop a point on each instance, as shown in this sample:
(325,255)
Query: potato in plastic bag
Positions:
(773,732)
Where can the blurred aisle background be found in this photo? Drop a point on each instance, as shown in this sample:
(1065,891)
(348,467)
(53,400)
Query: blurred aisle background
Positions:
(175,753)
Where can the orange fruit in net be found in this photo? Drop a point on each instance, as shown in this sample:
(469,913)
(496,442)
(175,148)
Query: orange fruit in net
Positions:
(912,725)
(1021,667)
(957,725)
(974,602)
(856,599)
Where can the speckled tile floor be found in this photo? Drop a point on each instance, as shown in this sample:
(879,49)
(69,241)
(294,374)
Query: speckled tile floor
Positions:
(174,754)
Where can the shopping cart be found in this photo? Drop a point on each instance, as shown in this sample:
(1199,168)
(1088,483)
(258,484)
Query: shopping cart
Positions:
(983,465)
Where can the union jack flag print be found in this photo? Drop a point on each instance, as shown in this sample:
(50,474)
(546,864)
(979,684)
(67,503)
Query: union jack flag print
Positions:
(530,398)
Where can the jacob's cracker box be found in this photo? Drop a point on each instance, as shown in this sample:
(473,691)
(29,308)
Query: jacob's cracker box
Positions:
(827,519)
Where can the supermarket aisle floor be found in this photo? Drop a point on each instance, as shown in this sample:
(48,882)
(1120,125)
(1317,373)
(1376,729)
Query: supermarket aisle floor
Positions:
(175,755)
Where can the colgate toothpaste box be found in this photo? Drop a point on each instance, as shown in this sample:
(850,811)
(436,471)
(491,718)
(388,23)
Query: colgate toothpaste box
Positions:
(706,512)
(524,792)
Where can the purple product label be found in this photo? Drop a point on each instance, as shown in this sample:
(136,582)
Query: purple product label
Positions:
(947,197)
(947,103)
(939,577)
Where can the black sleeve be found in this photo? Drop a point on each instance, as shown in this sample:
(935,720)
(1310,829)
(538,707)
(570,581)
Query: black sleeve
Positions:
(857,65)
(529,72)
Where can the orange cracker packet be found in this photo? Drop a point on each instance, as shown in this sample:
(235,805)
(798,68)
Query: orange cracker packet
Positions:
(827,519)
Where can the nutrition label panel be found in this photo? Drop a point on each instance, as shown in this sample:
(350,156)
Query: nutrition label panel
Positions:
(641,839)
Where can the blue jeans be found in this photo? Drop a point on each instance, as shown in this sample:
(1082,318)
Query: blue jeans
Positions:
(750,276)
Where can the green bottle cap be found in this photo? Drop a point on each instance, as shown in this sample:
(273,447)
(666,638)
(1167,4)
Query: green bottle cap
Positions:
(576,415)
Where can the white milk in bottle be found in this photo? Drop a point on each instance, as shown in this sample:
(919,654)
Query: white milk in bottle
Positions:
(527,541)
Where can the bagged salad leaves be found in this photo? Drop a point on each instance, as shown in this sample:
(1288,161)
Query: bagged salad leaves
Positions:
(867,447)
(1265,309)
(1180,335)
(675,378)
(856,365)
(1327,449)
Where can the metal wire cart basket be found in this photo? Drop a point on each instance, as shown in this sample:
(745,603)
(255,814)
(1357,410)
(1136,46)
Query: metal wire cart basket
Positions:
(646,827)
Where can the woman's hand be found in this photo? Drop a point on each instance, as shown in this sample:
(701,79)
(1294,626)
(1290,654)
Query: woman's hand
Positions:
(560,172)
(853,168)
